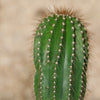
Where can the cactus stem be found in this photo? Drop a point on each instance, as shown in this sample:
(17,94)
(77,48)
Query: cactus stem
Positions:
(61,58)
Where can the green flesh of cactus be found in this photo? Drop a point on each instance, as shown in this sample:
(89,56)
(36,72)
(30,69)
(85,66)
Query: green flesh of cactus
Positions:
(60,58)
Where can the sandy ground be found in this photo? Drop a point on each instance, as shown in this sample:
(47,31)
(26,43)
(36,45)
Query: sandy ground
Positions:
(16,29)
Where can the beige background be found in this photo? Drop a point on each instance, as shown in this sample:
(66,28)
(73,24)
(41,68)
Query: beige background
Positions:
(16,29)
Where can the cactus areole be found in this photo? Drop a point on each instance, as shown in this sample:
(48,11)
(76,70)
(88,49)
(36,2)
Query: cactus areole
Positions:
(60,58)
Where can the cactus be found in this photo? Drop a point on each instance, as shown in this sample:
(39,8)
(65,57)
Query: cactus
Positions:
(60,58)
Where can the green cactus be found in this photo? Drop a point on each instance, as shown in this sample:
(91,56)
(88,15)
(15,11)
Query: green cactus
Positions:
(60,58)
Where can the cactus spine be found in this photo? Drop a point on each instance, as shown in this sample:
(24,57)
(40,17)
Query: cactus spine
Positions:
(61,58)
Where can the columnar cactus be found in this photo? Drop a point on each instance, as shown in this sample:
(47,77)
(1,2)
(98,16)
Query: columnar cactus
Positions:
(61,58)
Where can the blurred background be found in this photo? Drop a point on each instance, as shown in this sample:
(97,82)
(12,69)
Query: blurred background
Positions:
(16,41)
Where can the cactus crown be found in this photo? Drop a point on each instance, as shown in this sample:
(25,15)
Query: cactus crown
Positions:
(61,58)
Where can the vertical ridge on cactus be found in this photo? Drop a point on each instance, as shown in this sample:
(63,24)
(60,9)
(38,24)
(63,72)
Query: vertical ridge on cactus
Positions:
(61,58)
